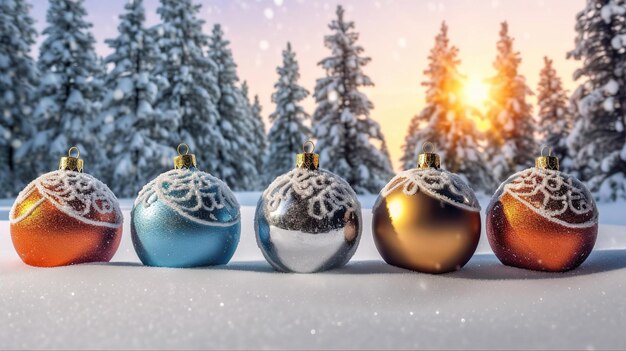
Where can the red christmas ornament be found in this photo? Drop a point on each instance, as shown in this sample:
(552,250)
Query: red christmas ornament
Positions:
(66,217)
(542,219)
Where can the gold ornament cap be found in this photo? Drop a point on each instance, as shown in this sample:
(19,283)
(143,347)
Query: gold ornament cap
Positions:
(308,159)
(547,162)
(428,158)
(71,163)
(184,159)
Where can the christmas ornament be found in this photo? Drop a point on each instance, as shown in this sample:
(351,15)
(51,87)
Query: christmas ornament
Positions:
(542,219)
(309,219)
(185,218)
(426,219)
(66,217)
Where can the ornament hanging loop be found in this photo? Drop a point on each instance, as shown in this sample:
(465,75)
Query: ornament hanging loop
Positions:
(428,147)
(548,162)
(543,147)
(308,142)
(428,158)
(186,148)
(71,163)
(73,148)
(308,159)
(184,159)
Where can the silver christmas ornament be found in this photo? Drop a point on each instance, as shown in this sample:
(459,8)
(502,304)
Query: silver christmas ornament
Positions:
(308,220)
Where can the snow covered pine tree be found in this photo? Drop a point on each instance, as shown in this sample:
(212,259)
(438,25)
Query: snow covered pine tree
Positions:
(288,131)
(410,149)
(341,122)
(553,116)
(192,91)
(18,79)
(598,137)
(69,91)
(446,121)
(511,146)
(236,158)
(258,136)
(137,137)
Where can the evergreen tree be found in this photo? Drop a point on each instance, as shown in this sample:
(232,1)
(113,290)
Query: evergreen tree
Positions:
(135,135)
(410,149)
(288,131)
(68,93)
(446,121)
(598,137)
(18,79)
(192,89)
(554,116)
(258,137)
(342,124)
(237,165)
(511,136)
(385,150)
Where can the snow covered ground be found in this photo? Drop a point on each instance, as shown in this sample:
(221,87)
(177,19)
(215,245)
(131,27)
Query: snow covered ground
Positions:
(367,304)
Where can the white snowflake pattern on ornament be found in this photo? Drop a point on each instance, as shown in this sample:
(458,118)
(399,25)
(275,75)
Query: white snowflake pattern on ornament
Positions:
(187,192)
(325,192)
(437,183)
(74,193)
(551,194)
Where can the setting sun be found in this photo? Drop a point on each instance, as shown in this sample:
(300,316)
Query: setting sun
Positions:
(475,92)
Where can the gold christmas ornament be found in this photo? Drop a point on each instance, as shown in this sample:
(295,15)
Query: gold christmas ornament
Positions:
(426,219)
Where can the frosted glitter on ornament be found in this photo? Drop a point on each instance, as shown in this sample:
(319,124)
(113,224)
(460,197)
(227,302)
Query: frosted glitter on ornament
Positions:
(426,219)
(66,217)
(308,220)
(185,218)
(324,192)
(193,194)
(542,219)
(78,195)
(554,196)
(440,184)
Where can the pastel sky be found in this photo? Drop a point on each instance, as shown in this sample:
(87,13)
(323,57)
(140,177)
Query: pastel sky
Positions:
(397,34)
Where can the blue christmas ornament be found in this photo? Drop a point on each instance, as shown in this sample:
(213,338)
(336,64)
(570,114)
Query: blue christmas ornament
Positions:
(185,218)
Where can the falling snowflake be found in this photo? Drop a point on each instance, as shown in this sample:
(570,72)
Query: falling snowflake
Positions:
(333,96)
(402,42)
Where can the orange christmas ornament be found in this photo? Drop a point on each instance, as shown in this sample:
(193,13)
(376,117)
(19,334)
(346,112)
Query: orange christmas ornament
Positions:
(542,219)
(66,217)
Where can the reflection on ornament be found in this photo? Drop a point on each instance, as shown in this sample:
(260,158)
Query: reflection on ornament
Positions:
(542,219)
(66,217)
(308,220)
(426,219)
(185,218)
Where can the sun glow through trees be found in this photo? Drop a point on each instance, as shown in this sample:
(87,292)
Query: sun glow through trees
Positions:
(475,93)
